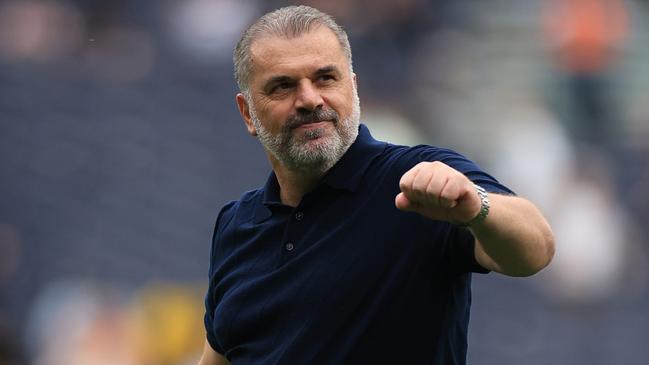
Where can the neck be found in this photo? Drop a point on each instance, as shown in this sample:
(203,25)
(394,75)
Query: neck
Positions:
(294,184)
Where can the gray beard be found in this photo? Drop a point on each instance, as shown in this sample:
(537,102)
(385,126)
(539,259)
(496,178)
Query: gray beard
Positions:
(299,152)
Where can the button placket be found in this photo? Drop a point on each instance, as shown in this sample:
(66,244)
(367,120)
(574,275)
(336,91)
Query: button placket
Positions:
(292,234)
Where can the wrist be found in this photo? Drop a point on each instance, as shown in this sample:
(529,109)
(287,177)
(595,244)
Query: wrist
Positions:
(484,206)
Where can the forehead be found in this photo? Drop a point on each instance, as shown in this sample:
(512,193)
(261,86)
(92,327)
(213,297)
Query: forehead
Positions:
(276,54)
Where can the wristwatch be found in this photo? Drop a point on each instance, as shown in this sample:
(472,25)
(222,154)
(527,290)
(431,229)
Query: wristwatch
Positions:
(484,206)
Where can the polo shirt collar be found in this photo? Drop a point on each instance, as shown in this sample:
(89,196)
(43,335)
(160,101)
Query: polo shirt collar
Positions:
(346,174)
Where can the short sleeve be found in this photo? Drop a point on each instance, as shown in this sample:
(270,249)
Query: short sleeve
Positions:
(459,243)
(460,249)
(471,170)
(459,252)
(414,155)
(210,302)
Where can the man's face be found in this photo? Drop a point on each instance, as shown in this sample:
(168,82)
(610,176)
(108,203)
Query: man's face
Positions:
(303,102)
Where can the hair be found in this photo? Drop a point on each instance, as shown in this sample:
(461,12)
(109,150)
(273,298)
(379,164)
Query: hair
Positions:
(288,22)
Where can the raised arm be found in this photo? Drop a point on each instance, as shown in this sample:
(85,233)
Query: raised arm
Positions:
(514,239)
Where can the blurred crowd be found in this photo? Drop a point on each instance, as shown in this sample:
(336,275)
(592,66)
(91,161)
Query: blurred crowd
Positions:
(120,140)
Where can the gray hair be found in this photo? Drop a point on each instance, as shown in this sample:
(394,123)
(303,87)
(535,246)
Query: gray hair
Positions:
(288,22)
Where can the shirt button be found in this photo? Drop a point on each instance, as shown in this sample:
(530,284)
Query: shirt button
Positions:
(299,216)
(289,246)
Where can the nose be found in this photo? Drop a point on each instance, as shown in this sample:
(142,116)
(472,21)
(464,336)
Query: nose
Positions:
(308,97)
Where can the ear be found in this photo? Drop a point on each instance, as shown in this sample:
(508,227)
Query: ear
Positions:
(354,80)
(244,110)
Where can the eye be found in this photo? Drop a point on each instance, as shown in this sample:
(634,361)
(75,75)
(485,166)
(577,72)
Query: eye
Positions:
(282,86)
(327,78)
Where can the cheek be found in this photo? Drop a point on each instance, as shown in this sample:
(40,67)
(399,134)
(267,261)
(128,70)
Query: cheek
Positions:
(341,103)
(274,115)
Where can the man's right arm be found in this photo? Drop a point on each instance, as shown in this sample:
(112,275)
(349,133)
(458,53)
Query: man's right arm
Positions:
(211,357)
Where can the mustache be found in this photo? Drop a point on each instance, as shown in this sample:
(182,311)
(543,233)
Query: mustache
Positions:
(316,115)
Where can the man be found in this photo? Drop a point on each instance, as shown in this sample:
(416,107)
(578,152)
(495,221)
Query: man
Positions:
(355,251)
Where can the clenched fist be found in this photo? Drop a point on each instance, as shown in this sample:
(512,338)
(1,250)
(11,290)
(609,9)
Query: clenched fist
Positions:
(437,191)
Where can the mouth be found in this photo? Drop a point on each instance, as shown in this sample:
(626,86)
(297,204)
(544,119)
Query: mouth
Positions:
(313,124)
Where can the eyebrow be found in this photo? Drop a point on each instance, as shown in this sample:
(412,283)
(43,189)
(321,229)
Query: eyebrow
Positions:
(326,70)
(276,80)
(282,78)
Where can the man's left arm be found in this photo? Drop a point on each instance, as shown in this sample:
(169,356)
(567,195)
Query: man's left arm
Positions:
(514,238)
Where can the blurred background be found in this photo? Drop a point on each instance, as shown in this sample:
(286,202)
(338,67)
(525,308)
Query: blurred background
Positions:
(120,141)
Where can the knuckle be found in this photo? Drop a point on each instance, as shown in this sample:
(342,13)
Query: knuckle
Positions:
(447,196)
(438,165)
(418,186)
(430,189)
(403,185)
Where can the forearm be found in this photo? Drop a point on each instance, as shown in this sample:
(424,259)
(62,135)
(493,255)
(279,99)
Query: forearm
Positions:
(515,239)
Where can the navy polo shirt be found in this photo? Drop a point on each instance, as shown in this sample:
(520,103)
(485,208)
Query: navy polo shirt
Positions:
(345,277)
